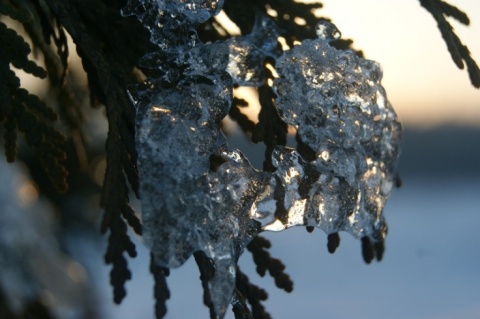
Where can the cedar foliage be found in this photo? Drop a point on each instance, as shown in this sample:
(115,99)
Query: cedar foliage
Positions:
(110,47)
(459,52)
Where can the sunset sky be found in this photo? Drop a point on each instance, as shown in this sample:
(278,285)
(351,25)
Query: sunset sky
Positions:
(421,80)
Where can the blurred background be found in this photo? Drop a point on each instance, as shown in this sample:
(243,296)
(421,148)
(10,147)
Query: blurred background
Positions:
(431,268)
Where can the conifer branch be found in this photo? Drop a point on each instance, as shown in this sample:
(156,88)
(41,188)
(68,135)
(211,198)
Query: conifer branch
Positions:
(458,51)
(108,74)
(22,111)
(333,241)
(253,294)
(242,120)
(207,271)
(243,14)
(270,129)
(239,306)
(265,262)
(160,290)
(14,11)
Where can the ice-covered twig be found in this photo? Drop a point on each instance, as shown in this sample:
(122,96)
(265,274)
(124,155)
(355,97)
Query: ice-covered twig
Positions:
(199,196)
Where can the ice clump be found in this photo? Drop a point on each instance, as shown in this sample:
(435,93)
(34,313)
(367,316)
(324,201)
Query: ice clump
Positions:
(187,206)
(301,195)
(171,22)
(195,191)
(340,110)
(199,195)
(248,53)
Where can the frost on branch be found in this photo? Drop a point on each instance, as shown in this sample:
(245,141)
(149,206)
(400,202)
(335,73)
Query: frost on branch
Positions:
(199,196)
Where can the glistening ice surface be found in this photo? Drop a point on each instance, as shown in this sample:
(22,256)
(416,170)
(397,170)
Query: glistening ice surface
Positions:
(340,110)
(200,195)
(189,205)
(248,53)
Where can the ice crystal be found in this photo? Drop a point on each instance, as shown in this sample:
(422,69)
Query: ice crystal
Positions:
(200,195)
(248,53)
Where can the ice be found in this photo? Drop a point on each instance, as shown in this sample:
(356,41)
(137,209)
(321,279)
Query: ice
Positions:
(187,206)
(195,191)
(248,53)
(303,195)
(151,12)
(172,23)
(199,195)
(327,31)
(340,110)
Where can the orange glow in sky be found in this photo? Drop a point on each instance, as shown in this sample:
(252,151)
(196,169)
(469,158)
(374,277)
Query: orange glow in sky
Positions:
(421,80)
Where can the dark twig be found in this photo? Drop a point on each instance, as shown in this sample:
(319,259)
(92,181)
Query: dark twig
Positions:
(160,289)
(458,51)
(207,271)
(265,262)
(239,306)
(253,294)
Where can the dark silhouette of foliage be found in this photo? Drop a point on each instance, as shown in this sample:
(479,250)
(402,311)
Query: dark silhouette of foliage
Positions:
(108,74)
(110,47)
(160,290)
(254,295)
(24,112)
(236,114)
(265,262)
(333,242)
(458,51)
(207,271)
